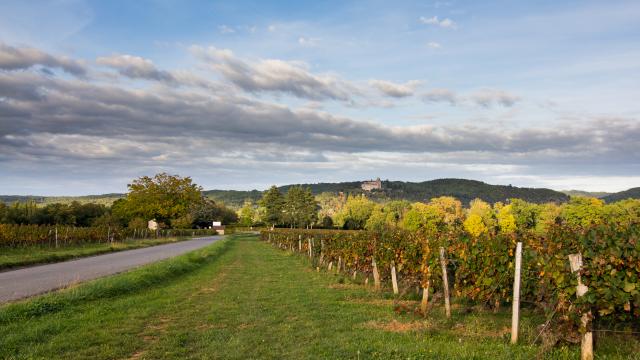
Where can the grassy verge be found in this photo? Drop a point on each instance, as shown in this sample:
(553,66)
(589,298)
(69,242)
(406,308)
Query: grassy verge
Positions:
(32,255)
(242,299)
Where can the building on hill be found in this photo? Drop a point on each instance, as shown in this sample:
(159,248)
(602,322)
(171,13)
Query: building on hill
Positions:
(371,185)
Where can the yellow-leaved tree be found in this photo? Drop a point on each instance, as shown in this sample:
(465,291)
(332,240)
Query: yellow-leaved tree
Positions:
(506,220)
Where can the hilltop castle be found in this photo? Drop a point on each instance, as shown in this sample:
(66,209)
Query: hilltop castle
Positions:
(371,185)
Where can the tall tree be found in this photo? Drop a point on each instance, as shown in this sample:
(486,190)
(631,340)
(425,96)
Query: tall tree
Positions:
(163,197)
(273,203)
(300,207)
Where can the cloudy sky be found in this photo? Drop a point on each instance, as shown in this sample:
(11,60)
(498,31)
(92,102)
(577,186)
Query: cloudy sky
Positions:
(242,95)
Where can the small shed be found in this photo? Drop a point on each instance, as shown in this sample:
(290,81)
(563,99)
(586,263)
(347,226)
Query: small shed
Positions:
(218,227)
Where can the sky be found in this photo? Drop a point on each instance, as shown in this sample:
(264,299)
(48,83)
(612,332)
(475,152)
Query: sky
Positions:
(243,95)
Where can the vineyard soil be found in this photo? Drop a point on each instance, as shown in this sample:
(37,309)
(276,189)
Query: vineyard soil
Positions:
(241,298)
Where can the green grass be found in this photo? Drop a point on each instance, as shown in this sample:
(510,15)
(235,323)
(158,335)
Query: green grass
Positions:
(239,298)
(32,255)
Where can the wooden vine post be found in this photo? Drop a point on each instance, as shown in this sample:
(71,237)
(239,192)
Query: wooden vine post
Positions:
(425,293)
(376,274)
(515,315)
(445,283)
(394,279)
(310,248)
(586,346)
(299,243)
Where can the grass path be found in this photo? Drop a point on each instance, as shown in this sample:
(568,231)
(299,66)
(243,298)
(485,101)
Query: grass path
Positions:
(253,301)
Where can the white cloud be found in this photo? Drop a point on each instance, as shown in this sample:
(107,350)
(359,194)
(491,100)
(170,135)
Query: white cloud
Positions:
(394,89)
(72,125)
(224,29)
(307,41)
(135,67)
(489,97)
(483,97)
(272,75)
(440,95)
(434,20)
(15,58)
(434,45)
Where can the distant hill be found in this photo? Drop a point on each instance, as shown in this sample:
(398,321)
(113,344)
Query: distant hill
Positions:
(105,199)
(464,190)
(594,194)
(233,198)
(633,193)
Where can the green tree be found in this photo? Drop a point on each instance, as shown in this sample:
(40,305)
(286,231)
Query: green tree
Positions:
(355,213)
(330,204)
(425,217)
(582,212)
(395,210)
(247,214)
(300,207)
(327,222)
(137,223)
(163,197)
(183,222)
(3,212)
(527,215)
(273,203)
(204,213)
(381,218)
(548,216)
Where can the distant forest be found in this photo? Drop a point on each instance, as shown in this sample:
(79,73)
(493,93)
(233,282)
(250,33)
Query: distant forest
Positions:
(464,190)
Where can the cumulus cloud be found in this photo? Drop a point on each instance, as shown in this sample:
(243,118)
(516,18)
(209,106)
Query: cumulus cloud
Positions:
(273,75)
(444,23)
(440,95)
(484,97)
(81,123)
(135,67)
(394,89)
(77,108)
(19,58)
(490,97)
(434,45)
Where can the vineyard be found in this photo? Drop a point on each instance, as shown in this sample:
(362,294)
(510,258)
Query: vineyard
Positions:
(50,235)
(480,269)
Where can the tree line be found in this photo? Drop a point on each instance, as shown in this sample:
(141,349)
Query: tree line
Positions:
(298,208)
(173,201)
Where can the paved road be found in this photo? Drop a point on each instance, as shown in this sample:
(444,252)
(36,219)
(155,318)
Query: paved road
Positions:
(18,284)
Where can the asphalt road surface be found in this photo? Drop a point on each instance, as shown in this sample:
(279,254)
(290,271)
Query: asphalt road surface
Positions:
(22,283)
